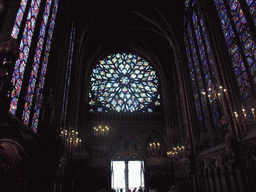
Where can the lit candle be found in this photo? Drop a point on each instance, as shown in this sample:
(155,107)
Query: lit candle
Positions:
(244,112)
(236,115)
(253,112)
(154,144)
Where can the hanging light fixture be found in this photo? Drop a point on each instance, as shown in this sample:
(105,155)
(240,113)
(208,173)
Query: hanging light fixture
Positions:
(101,131)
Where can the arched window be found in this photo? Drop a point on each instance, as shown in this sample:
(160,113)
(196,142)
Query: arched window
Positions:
(202,71)
(36,76)
(124,82)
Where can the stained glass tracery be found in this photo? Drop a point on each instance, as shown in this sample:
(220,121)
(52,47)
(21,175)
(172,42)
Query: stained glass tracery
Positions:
(35,67)
(252,8)
(18,20)
(202,71)
(124,82)
(39,93)
(240,44)
(24,48)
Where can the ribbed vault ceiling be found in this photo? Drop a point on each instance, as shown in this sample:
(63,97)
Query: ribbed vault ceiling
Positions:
(148,28)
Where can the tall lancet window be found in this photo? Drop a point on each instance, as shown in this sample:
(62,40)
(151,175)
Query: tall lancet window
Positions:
(68,74)
(240,43)
(41,76)
(202,71)
(20,65)
(37,67)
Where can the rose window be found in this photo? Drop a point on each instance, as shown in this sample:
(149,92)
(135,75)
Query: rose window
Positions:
(123,82)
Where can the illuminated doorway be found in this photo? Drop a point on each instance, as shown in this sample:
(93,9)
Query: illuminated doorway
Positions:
(127,175)
(118,175)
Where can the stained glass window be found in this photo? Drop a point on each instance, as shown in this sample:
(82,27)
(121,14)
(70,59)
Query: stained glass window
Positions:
(196,76)
(39,93)
(35,67)
(202,71)
(18,20)
(240,44)
(252,8)
(25,43)
(124,82)
(208,69)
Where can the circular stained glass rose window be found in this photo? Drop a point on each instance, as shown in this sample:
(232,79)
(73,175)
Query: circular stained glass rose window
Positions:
(123,82)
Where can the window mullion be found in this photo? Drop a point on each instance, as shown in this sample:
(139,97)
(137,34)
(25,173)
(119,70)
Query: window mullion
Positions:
(237,40)
(211,73)
(248,18)
(203,83)
(206,53)
(197,87)
(40,64)
(24,20)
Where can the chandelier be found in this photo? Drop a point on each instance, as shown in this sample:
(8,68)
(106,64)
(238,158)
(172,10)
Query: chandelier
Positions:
(72,142)
(155,148)
(101,131)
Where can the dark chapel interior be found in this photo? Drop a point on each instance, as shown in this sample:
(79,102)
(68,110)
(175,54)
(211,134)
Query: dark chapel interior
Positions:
(167,85)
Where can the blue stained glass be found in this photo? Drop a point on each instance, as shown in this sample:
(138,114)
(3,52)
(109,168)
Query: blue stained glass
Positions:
(196,74)
(133,84)
(245,38)
(35,66)
(19,17)
(27,34)
(39,94)
(252,8)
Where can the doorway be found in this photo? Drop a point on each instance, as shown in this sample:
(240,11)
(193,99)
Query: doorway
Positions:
(127,175)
